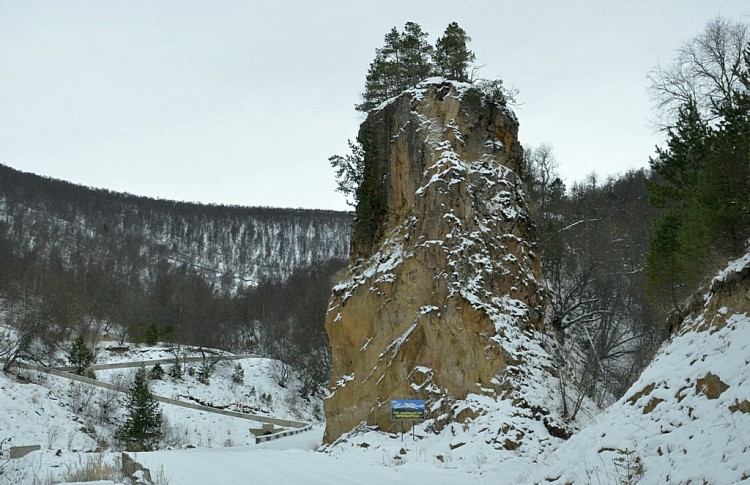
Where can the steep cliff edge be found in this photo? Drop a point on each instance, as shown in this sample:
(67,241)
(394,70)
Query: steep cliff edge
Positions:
(443,301)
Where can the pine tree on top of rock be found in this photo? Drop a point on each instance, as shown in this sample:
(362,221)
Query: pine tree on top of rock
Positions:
(452,55)
(404,60)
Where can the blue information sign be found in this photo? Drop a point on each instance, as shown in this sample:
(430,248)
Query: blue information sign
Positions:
(407,409)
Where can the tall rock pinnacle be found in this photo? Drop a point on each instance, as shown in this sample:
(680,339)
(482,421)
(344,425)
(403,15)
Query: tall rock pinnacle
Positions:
(444,286)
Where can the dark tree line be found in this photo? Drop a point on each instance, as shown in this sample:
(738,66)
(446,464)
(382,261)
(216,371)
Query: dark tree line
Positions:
(232,247)
(49,305)
(286,323)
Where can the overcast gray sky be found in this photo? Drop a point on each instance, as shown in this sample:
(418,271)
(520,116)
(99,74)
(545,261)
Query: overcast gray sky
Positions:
(242,102)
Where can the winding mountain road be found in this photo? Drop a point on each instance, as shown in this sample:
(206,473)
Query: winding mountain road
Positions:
(292,427)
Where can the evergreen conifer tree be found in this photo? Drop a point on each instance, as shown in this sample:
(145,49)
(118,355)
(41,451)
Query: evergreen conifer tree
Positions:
(701,182)
(157,372)
(80,355)
(350,171)
(175,371)
(204,374)
(452,55)
(238,376)
(142,428)
(416,55)
(403,61)
(383,77)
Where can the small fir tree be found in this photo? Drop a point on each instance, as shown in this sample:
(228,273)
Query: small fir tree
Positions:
(238,376)
(80,355)
(151,336)
(175,371)
(204,374)
(142,428)
(156,373)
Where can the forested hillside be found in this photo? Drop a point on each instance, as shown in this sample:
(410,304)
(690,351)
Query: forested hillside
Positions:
(622,255)
(76,259)
(231,247)
(701,178)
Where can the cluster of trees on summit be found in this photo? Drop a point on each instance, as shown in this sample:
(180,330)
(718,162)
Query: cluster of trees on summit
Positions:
(407,58)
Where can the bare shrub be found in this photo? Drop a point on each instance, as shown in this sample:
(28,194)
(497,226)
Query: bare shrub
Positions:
(95,467)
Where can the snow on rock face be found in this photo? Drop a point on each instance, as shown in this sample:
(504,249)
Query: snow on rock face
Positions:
(687,419)
(446,300)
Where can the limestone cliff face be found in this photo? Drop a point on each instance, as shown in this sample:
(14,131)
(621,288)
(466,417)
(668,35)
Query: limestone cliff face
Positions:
(443,299)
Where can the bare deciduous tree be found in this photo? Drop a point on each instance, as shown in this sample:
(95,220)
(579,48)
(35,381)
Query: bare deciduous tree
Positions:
(541,168)
(705,71)
(593,239)
(28,327)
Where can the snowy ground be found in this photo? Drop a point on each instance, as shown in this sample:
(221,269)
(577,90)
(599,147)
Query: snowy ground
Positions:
(63,418)
(294,461)
(686,419)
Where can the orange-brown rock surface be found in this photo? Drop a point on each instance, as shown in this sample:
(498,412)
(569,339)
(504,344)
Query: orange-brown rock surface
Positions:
(444,288)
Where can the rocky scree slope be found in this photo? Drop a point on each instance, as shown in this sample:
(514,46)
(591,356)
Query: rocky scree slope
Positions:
(444,302)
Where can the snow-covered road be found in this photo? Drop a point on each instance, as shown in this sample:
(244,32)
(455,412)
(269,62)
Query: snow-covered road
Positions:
(293,461)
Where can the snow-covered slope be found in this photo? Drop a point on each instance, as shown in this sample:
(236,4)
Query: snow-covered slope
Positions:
(687,419)
(72,421)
